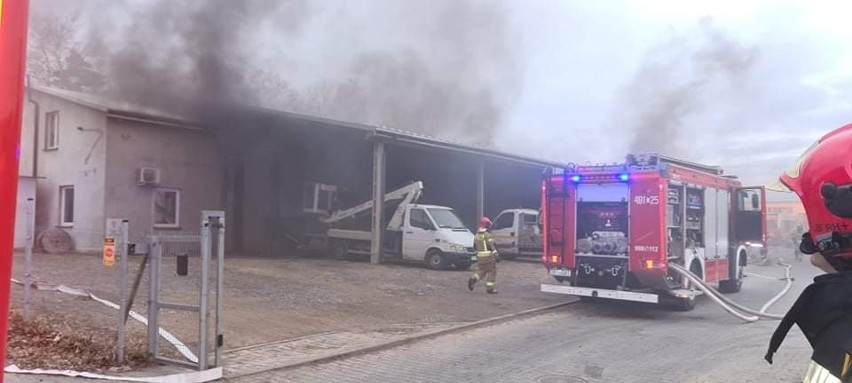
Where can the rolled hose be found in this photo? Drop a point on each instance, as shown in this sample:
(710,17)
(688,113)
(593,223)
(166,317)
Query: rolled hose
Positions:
(731,306)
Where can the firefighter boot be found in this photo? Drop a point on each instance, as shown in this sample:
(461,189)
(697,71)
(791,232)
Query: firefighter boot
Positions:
(472,281)
(490,288)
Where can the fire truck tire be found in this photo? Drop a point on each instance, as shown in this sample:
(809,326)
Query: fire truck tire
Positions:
(436,260)
(731,286)
(688,304)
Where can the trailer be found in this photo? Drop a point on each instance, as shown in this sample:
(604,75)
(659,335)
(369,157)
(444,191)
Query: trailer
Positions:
(612,231)
(429,234)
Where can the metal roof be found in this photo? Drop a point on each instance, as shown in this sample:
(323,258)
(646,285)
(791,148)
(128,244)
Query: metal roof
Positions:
(126,110)
(117,108)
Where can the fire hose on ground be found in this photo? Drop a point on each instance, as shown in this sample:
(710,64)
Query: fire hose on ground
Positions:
(186,377)
(729,305)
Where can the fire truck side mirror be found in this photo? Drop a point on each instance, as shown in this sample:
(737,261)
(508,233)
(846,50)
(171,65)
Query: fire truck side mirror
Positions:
(755,201)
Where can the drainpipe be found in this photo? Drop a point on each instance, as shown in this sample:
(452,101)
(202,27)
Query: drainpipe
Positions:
(37,112)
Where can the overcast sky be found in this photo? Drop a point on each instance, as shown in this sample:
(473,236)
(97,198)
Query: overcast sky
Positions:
(580,69)
(581,54)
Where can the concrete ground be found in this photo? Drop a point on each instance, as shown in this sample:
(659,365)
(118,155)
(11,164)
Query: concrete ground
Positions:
(594,342)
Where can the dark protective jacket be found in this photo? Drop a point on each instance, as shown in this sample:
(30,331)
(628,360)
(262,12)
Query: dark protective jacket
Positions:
(824,314)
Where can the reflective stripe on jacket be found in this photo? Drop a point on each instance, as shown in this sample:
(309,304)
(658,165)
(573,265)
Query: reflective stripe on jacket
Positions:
(819,374)
(483,242)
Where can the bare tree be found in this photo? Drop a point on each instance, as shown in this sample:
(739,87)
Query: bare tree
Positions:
(56,59)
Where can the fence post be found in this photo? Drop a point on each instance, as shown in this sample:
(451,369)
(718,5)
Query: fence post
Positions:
(154,253)
(204,297)
(28,268)
(220,289)
(124,253)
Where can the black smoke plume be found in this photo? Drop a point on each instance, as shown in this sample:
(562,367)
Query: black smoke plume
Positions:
(457,74)
(674,83)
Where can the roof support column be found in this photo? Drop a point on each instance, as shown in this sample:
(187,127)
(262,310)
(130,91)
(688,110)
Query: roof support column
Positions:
(378,202)
(480,190)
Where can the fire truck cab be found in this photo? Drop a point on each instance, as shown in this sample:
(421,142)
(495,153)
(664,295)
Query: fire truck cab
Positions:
(610,231)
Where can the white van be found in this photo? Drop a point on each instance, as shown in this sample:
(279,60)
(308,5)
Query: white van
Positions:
(428,234)
(517,233)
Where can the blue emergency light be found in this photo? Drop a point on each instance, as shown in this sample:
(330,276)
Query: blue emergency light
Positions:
(624,177)
(575,178)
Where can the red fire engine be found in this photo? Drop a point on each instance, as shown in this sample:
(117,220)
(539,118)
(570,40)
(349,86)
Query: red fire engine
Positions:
(610,231)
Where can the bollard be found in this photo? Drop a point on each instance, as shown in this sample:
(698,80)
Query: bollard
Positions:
(182,264)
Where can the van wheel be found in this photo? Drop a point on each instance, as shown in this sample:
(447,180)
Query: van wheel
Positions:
(464,265)
(435,260)
(733,285)
(339,251)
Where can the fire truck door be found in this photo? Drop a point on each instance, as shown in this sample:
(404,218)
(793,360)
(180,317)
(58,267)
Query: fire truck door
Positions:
(722,222)
(749,209)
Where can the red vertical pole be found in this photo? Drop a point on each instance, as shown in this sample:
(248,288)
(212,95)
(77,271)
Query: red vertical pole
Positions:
(13,44)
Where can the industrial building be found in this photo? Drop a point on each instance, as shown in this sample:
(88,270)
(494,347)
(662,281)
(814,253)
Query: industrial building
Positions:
(268,169)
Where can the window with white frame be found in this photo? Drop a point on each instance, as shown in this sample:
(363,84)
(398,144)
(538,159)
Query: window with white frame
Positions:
(318,198)
(66,205)
(51,131)
(167,208)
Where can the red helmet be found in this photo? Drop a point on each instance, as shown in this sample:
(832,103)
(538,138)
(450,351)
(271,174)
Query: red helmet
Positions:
(822,178)
(484,223)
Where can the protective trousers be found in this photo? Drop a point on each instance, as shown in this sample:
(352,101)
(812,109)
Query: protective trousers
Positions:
(486,267)
(486,261)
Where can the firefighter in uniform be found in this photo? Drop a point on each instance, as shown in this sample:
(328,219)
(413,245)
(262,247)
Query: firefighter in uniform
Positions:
(822,179)
(486,258)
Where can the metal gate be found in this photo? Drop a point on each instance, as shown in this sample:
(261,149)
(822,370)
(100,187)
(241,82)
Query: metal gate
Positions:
(182,302)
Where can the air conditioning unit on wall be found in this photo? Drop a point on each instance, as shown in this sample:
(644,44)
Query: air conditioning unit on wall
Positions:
(148,176)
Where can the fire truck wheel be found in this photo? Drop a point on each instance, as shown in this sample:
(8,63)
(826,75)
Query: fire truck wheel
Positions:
(733,285)
(435,260)
(687,304)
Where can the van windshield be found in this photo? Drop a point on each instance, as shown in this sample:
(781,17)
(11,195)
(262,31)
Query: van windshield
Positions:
(447,219)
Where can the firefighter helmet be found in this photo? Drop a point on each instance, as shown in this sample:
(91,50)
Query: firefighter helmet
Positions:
(484,223)
(822,179)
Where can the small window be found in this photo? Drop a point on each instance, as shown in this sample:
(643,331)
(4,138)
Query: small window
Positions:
(530,219)
(420,220)
(749,200)
(66,205)
(504,221)
(51,131)
(167,208)
(319,198)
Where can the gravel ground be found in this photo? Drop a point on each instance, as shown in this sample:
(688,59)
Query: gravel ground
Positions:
(275,299)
